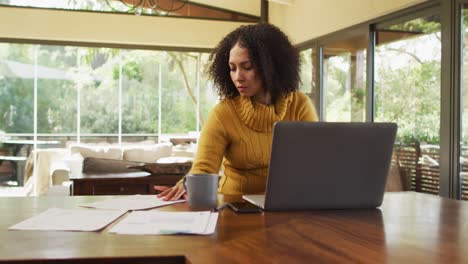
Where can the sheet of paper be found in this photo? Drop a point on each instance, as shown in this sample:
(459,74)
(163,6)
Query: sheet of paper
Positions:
(167,223)
(69,220)
(130,203)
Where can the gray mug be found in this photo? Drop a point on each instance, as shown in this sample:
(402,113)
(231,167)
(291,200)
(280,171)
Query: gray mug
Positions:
(202,190)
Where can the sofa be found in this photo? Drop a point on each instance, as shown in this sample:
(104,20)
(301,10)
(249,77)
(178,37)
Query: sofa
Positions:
(48,171)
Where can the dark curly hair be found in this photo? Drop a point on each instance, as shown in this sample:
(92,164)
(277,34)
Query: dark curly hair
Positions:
(273,56)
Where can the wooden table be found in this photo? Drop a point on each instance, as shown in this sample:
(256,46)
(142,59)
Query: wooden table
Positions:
(408,228)
(120,183)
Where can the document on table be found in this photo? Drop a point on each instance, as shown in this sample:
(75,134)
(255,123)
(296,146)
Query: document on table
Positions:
(167,223)
(57,219)
(130,203)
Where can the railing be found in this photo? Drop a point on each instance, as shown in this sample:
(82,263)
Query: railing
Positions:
(420,164)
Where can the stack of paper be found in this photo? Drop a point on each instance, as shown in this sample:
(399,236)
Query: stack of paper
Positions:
(163,223)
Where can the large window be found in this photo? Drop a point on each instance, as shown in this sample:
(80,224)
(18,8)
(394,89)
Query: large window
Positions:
(407,92)
(51,96)
(101,94)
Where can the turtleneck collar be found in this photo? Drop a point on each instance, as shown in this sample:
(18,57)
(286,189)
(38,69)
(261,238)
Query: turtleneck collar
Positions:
(260,117)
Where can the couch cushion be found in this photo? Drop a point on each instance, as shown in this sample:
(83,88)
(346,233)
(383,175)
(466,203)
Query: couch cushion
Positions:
(97,152)
(147,153)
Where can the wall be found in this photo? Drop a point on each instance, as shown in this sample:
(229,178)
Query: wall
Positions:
(26,23)
(308,19)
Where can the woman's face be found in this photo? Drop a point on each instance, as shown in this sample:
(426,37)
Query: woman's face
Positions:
(243,73)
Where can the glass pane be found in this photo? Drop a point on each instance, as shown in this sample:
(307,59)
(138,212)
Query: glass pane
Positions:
(56,92)
(208,96)
(17,64)
(54,141)
(17,88)
(344,79)
(140,91)
(89,5)
(139,138)
(464,113)
(179,93)
(407,92)
(308,73)
(100,139)
(99,91)
(60,4)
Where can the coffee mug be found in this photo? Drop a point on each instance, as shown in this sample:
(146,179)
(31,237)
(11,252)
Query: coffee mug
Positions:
(201,190)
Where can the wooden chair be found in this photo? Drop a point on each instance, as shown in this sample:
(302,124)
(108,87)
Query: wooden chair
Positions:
(399,177)
(398,180)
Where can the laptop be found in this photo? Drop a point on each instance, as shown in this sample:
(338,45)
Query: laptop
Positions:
(322,165)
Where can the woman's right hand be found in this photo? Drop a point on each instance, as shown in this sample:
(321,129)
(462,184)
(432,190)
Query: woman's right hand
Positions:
(173,193)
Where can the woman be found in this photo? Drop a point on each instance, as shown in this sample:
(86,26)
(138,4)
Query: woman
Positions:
(256,73)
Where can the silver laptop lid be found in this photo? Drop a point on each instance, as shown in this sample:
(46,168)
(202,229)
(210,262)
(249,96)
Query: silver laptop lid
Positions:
(328,165)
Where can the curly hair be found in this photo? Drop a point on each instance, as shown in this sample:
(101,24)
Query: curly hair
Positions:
(273,56)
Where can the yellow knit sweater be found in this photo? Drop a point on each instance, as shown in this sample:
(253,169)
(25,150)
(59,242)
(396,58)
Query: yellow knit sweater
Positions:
(238,133)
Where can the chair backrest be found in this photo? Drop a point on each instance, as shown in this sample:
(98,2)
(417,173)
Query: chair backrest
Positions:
(398,179)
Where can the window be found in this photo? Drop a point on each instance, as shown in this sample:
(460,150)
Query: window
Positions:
(344,79)
(101,94)
(407,92)
(98,85)
(17,64)
(308,73)
(140,76)
(464,104)
(56,89)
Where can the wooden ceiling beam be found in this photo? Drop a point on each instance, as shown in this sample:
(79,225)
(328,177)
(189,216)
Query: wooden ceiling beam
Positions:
(194,10)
